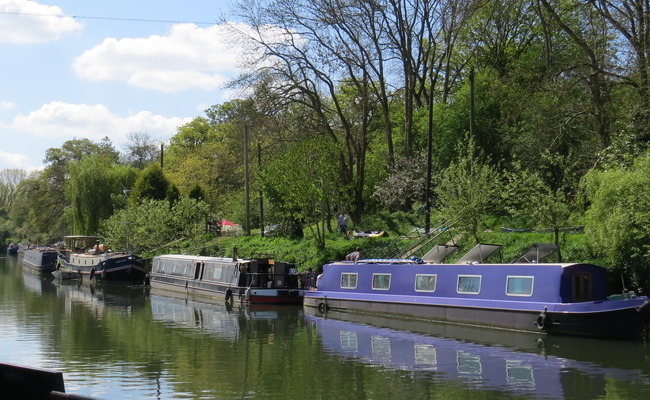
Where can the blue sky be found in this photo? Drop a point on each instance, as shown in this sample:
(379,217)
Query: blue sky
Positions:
(87,68)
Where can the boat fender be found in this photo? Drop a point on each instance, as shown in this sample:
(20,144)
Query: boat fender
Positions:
(542,321)
(323,307)
(228,295)
(103,274)
(92,274)
(147,280)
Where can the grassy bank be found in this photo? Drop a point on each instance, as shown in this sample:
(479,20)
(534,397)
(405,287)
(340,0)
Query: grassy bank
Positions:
(305,255)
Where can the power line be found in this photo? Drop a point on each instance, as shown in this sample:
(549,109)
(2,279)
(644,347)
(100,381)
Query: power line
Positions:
(21,14)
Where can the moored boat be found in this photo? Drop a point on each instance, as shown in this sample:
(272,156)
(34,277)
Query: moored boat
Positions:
(40,260)
(252,281)
(12,249)
(567,299)
(87,257)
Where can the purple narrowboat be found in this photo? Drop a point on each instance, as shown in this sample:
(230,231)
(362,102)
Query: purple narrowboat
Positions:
(566,299)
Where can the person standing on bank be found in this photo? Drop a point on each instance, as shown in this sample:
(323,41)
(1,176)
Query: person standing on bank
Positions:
(343,222)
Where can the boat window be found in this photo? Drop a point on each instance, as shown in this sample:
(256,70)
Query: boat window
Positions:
(519,286)
(197,269)
(218,272)
(470,284)
(348,281)
(425,283)
(381,281)
(582,287)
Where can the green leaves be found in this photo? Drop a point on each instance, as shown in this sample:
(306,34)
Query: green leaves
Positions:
(153,223)
(618,219)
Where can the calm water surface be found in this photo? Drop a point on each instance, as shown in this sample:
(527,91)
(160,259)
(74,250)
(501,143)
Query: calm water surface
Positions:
(116,342)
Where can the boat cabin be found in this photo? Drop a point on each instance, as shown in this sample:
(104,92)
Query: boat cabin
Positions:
(247,273)
(532,282)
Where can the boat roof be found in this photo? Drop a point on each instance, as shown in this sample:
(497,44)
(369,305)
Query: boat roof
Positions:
(406,261)
(80,237)
(200,258)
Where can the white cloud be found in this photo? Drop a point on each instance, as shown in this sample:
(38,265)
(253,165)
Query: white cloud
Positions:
(10,160)
(26,22)
(63,120)
(188,57)
(7,105)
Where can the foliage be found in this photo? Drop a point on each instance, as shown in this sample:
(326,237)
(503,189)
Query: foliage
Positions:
(306,194)
(618,218)
(468,190)
(151,224)
(405,185)
(529,198)
(140,150)
(151,184)
(91,187)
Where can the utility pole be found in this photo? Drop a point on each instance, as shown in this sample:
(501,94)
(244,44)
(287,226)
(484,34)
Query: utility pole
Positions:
(247,183)
(427,186)
(259,168)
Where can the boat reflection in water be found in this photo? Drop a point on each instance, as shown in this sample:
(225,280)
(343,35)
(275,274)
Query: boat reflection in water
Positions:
(222,319)
(99,297)
(517,363)
(37,283)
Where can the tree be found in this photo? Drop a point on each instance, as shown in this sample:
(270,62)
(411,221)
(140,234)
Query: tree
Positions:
(38,209)
(151,184)
(617,220)
(141,149)
(92,184)
(405,185)
(9,181)
(196,193)
(153,223)
(204,153)
(468,190)
(304,194)
(530,197)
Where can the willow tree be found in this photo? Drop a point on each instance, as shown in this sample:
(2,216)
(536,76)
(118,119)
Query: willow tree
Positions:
(617,220)
(91,188)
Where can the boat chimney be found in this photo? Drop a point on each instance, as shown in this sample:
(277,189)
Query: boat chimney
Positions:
(234,253)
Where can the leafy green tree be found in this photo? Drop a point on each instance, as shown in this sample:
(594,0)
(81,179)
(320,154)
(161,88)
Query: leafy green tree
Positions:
(9,181)
(151,184)
(91,188)
(153,224)
(42,208)
(196,193)
(468,191)
(202,154)
(618,218)
(304,193)
(530,198)
(173,195)
(38,209)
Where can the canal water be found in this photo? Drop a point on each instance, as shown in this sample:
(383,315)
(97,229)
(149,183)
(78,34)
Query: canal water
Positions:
(118,342)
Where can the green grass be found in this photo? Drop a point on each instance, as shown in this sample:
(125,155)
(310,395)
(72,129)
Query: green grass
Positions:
(304,253)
